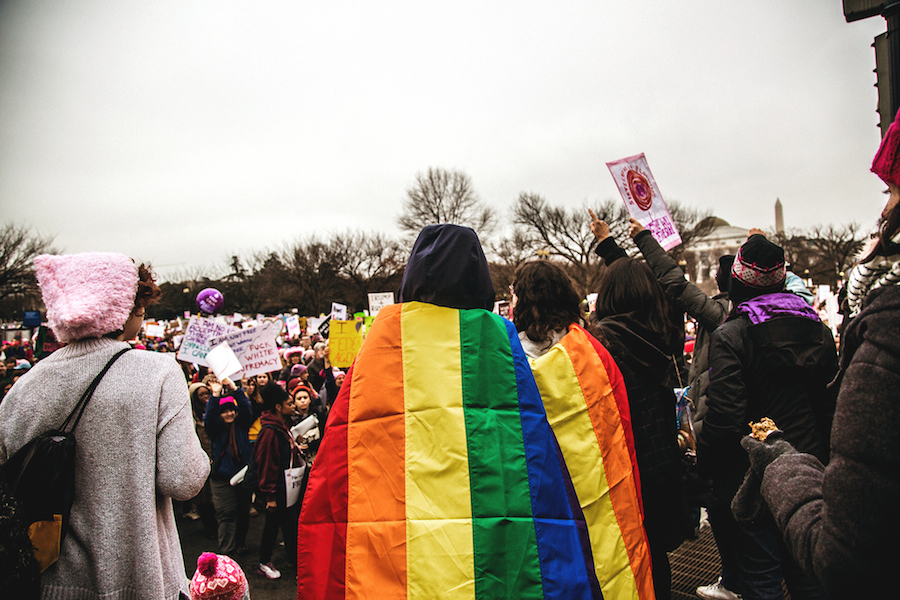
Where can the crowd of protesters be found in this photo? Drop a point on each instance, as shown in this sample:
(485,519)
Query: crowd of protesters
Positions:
(813,505)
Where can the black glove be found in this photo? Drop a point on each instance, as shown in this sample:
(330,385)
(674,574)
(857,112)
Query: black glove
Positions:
(763,453)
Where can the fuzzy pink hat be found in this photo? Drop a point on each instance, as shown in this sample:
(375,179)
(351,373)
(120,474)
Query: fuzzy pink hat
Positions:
(87,295)
(887,160)
(218,578)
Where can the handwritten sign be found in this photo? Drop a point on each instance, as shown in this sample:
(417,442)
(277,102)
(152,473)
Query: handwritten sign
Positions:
(379,300)
(255,348)
(195,345)
(643,198)
(344,341)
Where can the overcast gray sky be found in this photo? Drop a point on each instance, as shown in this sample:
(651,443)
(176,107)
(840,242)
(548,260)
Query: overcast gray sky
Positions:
(181,132)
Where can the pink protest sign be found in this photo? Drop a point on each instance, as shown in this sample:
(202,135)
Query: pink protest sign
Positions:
(643,198)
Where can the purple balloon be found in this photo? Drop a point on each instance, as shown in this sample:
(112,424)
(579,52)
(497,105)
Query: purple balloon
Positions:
(210,300)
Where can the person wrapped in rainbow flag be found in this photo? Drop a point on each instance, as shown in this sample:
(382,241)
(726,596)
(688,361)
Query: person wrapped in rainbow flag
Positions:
(440,475)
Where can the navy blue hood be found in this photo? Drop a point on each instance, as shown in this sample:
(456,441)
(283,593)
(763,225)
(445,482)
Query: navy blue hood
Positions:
(447,267)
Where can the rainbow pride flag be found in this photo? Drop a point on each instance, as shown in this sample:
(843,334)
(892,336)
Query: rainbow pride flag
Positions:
(587,406)
(439,476)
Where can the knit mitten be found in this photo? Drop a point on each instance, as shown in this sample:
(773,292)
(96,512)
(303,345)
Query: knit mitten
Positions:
(763,453)
(748,504)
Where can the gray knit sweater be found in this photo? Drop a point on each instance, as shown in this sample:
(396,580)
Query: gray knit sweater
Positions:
(136,450)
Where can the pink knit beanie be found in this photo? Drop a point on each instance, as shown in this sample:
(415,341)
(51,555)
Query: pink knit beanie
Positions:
(87,295)
(887,160)
(218,578)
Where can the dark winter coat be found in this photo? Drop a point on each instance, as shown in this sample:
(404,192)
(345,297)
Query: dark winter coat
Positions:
(219,435)
(644,359)
(772,358)
(842,522)
(708,312)
(273,455)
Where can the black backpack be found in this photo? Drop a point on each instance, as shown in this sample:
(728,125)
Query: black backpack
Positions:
(41,479)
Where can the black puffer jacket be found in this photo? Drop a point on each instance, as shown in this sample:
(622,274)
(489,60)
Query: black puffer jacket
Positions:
(842,522)
(709,313)
(773,358)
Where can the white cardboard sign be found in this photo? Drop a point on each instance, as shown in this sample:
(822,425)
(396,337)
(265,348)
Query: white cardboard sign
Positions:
(378,301)
(222,361)
(195,344)
(643,198)
(255,348)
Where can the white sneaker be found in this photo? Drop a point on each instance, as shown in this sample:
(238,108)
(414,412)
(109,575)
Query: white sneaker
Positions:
(270,571)
(717,591)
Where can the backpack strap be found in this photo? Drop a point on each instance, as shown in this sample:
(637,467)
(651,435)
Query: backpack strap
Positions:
(86,396)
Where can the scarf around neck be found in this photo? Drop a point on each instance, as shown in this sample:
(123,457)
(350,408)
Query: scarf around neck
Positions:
(865,277)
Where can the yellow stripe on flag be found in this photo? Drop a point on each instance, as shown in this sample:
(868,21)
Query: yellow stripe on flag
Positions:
(568,414)
(440,552)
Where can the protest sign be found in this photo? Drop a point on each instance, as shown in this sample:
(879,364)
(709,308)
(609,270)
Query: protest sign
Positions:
(313,324)
(379,300)
(255,348)
(643,198)
(293,325)
(324,329)
(344,341)
(338,311)
(195,345)
(222,361)
(154,330)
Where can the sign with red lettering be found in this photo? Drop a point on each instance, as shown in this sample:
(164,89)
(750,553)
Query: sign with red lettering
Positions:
(255,348)
(344,341)
(643,198)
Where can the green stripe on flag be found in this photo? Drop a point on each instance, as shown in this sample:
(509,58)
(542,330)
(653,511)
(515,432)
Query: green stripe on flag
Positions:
(506,554)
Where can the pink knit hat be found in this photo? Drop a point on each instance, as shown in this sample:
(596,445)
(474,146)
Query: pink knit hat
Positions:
(87,295)
(887,160)
(218,578)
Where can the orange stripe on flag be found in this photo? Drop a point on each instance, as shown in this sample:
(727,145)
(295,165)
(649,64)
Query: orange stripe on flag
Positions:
(376,513)
(598,393)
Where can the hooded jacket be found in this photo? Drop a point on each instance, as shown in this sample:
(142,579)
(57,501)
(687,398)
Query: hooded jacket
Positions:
(447,267)
(772,358)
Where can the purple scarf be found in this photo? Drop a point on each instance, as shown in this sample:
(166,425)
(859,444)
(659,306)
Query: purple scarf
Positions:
(775,306)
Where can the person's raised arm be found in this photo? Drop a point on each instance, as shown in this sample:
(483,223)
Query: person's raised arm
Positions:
(606,248)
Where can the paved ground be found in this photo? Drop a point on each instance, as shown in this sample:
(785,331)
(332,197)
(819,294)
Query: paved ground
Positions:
(194,543)
(695,563)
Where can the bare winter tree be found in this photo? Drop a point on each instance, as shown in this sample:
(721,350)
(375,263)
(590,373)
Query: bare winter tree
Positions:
(506,254)
(822,253)
(566,234)
(373,261)
(313,267)
(18,286)
(837,247)
(442,196)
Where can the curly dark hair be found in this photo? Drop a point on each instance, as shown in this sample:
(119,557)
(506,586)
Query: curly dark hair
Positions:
(546,300)
(147,291)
